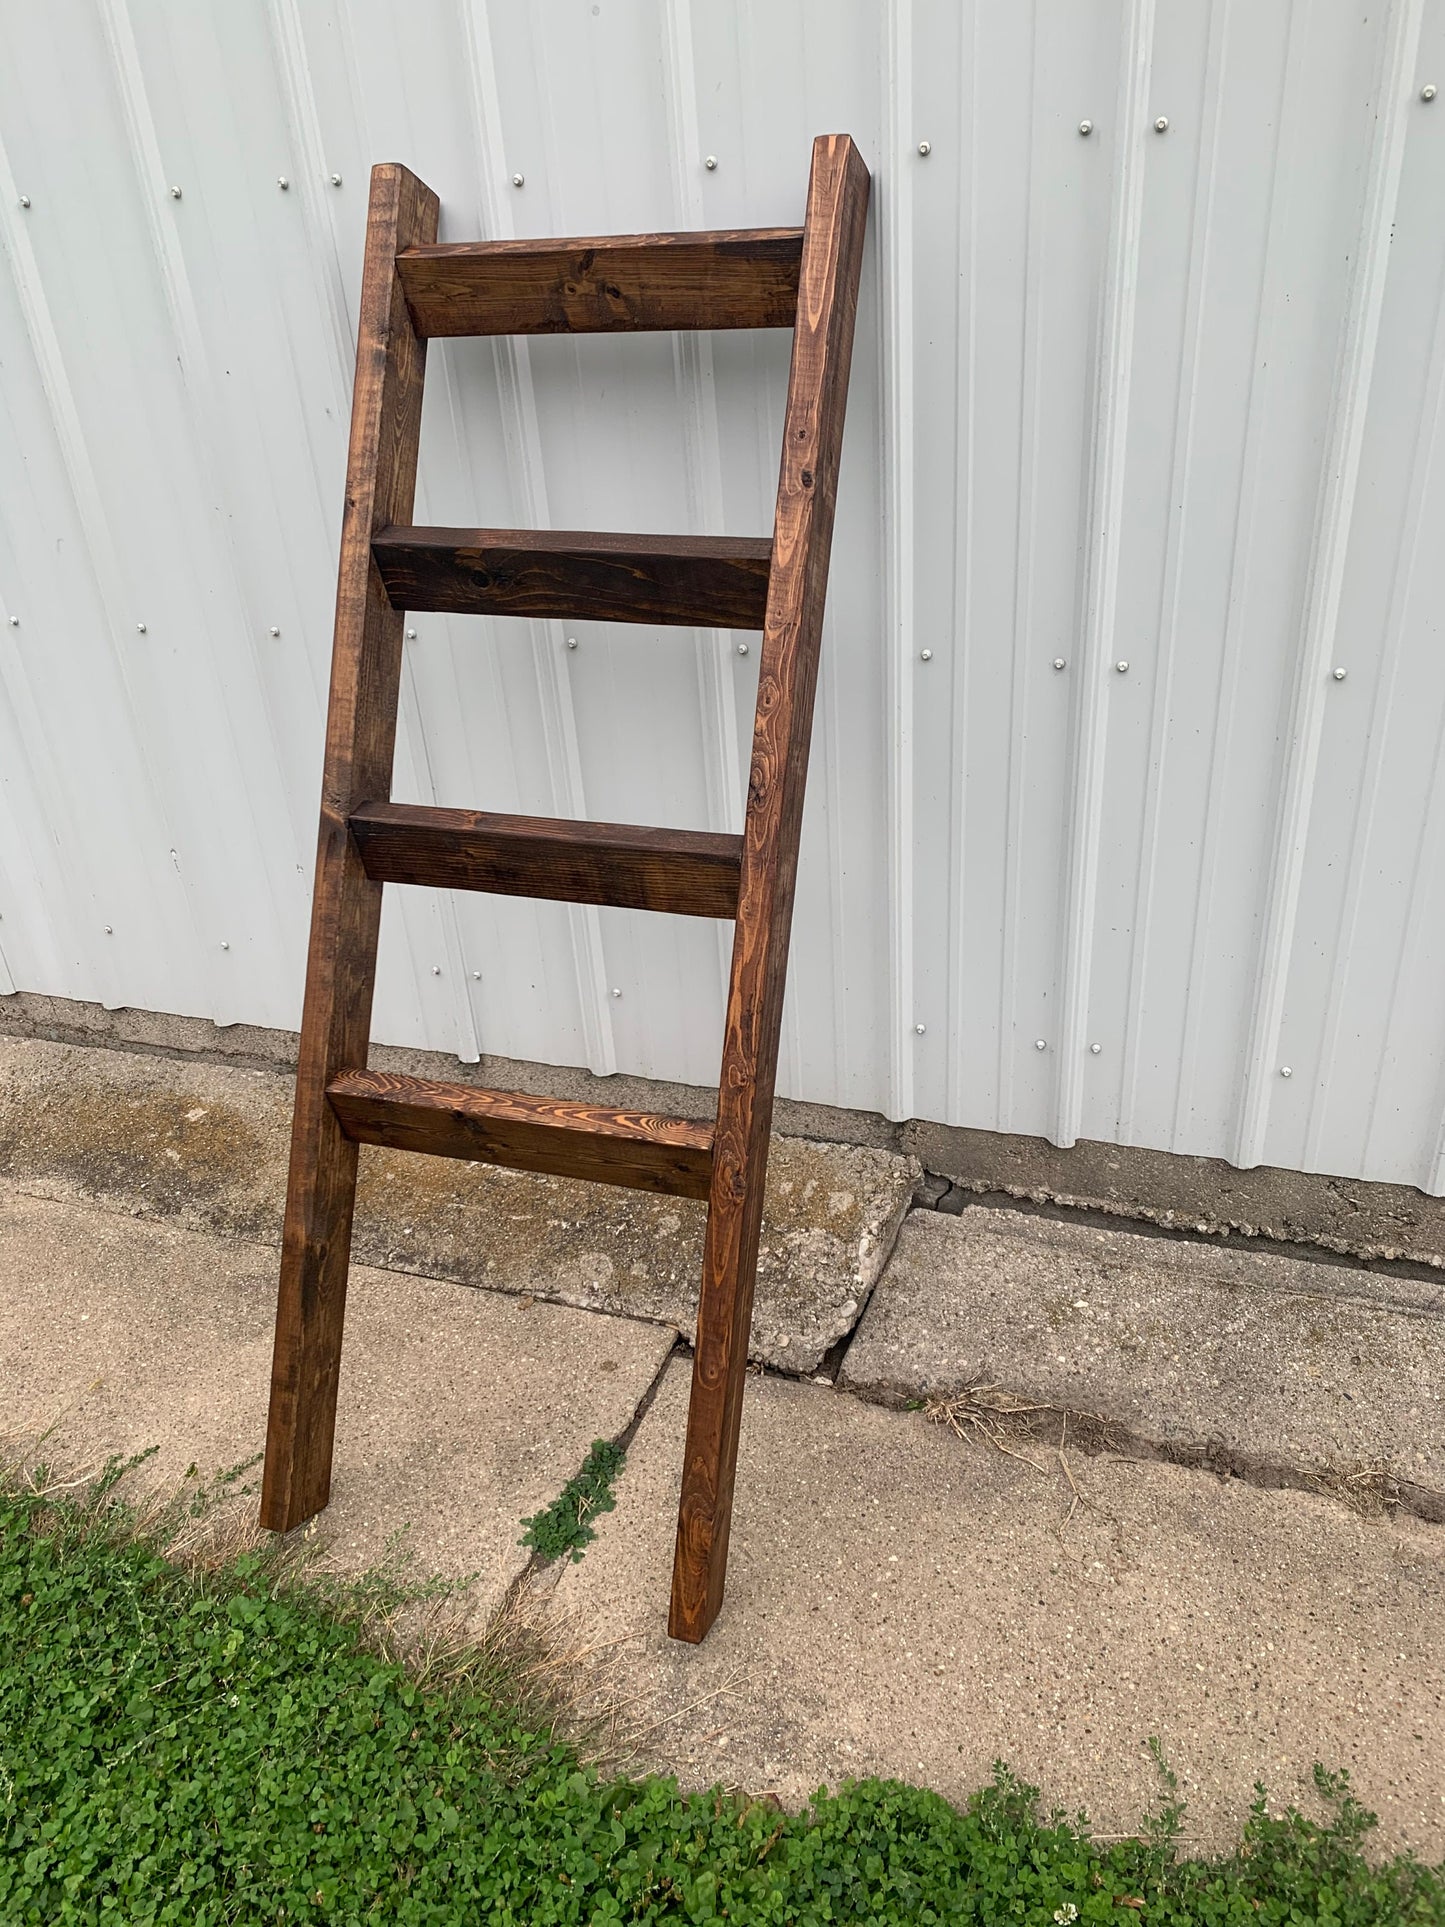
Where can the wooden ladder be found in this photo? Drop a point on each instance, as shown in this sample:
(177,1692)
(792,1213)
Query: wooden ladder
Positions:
(804,278)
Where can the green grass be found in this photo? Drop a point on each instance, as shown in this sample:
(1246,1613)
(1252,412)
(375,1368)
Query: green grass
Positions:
(566,1525)
(189,1746)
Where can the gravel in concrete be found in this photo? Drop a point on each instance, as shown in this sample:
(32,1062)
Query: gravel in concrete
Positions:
(461,1412)
(206,1145)
(904,1602)
(1275,1366)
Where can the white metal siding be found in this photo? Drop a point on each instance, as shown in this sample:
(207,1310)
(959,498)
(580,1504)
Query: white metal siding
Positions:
(1171,399)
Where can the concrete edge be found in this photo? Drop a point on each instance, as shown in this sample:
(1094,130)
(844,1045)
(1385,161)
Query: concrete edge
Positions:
(1352,1217)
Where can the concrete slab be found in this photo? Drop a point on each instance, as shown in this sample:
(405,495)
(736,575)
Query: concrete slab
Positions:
(1277,1367)
(904,1602)
(461,1412)
(206,1146)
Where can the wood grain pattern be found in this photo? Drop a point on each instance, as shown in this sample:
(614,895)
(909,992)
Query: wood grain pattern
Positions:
(633,1148)
(691,873)
(802,536)
(736,278)
(697,581)
(346,904)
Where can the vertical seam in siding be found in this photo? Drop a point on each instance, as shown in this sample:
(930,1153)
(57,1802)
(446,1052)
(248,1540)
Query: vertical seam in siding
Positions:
(1021,636)
(894,202)
(519,414)
(693,369)
(1394,669)
(1104,521)
(1334,515)
(1170,588)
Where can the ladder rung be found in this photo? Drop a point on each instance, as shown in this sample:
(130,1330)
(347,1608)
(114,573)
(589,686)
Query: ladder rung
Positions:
(691,873)
(702,581)
(668,1154)
(735,278)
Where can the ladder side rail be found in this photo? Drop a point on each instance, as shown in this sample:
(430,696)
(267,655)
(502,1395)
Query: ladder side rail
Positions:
(802,536)
(346,903)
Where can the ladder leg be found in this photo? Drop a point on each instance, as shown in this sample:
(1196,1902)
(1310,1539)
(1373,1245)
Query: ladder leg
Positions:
(346,906)
(787,678)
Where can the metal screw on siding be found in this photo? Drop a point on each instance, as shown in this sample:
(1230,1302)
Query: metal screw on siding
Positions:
(1339,675)
(411,635)
(919,1028)
(224,944)
(282,182)
(742,648)
(571,642)
(1427,92)
(1122,667)
(1086,127)
(615,991)
(519,180)
(1059,663)
(24,200)
(175,193)
(14,622)
(274,630)
(925,148)
(477,975)
(109,930)
(1095,1049)
(925,655)
(1041,1043)
(1161,126)
(336,180)
(1285,1071)
(140,628)
(711,163)
(436,970)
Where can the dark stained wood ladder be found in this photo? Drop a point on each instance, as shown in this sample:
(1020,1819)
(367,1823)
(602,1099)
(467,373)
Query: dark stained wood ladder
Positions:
(804,278)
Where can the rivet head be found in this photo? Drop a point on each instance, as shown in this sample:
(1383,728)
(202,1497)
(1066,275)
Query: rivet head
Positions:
(1161,126)
(336,180)
(477,975)
(519,180)
(615,991)
(1122,667)
(1086,127)
(1094,1049)
(1041,1043)
(920,1028)
(925,655)
(925,148)
(1285,1071)
(274,630)
(110,930)
(711,163)
(175,193)
(14,622)
(140,628)
(742,648)
(282,182)
(24,200)
(436,970)
(411,635)
(1427,92)
(571,642)
(1059,663)
(224,944)
(1339,675)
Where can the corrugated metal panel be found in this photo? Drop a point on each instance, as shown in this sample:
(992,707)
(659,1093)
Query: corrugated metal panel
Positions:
(1171,399)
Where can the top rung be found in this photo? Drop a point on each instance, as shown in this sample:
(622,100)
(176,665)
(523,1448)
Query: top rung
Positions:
(731,278)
